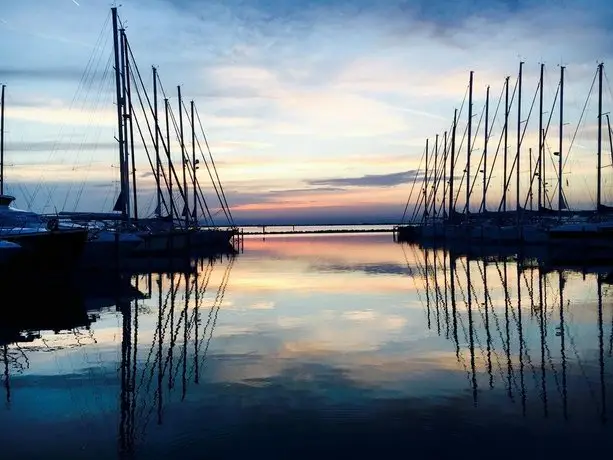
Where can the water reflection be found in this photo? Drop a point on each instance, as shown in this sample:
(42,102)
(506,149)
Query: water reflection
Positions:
(302,346)
(171,361)
(513,323)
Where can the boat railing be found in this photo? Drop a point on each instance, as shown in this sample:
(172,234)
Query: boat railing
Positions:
(26,221)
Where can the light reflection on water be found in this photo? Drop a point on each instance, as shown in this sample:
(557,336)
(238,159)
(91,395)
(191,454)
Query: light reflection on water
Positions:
(321,345)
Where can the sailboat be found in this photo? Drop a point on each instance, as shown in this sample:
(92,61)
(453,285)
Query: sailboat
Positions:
(587,233)
(44,244)
(162,234)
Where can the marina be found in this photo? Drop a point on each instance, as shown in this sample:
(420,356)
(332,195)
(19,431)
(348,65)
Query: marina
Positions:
(336,295)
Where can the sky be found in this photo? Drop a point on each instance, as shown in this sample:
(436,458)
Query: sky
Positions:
(315,111)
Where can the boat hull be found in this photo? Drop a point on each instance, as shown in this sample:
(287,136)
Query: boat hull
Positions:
(108,249)
(183,241)
(407,233)
(48,250)
(8,251)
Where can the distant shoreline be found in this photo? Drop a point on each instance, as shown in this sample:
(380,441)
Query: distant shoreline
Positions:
(298,232)
(316,225)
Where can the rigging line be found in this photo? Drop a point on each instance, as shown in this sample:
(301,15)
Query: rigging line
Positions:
(481,158)
(470,288)
(428,189)
(417,208)
(459,149)
(488,303)
(521,139)
(459,190)
(153,168)
(507,180)
(412,274)
(551,158)
(80,85)
(152,348)
(446,150)
(221,295)
(162,140)
(439,170)
(221,201)
(200,197)
(431,193)
(186,161)
(420,201)
(199,339)
(545,145)
(211,309)
(447,184)
(107,77)
(536,166)
(491,171)
(406,207)
(86,83)
(93,113)
(163,329)
(587,100)
(214,166)
(420,198)
(172,170)
(184,157)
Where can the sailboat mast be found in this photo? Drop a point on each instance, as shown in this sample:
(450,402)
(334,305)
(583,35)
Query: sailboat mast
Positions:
(124,115)
(506,144)
(435,184)
(469,147)
(610,137)
(444,172)
(518,156)
(129,119)
(599,165)
(194,165)
(425,218)
(451,171)
(183,165)
(531,172)
(158,163)
(485,140)
(541,170)
(120,104)
(2,140)
(560,144)
(170,169)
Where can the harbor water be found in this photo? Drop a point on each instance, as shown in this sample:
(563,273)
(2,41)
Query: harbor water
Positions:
(312,346)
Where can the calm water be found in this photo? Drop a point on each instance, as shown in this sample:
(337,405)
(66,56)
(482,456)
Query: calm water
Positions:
(332,346)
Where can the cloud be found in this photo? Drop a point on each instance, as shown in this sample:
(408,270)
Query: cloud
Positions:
(49,145)
(49,73)
(62,115)
(370,180)
(289,92)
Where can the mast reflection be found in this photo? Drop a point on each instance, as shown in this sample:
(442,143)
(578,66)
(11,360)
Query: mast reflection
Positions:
(514,314)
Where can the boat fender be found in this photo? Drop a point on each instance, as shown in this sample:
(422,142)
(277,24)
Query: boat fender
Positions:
(53,224)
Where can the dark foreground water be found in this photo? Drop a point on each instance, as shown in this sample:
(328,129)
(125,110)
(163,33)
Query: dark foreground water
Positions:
(334,346)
